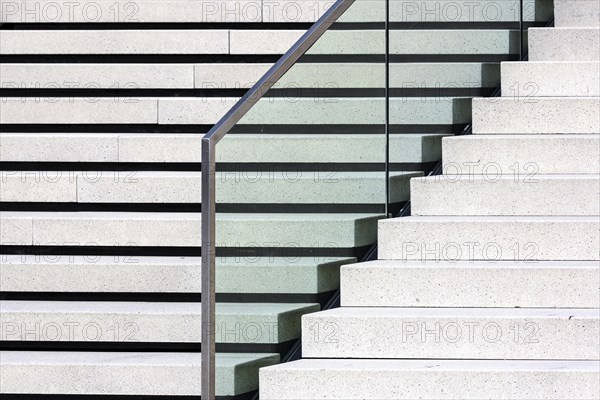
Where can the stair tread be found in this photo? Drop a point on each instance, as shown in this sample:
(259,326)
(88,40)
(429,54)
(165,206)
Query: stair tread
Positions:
(449,178)
(92,176)
(159,308)
(87,215)
(472,264)
(486,313)
(437,365)
(122,358)
(489,218)
(92,261)
(440,379)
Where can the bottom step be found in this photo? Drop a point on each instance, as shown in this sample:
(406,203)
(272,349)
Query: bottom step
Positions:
(109,373)
(430,379)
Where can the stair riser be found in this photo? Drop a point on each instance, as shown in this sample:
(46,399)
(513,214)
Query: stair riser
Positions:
(253,11)
(136,322)
(526,285)
(536,115)
(580,13)
(107,373)
(177,229)
(240,75)
(86,379)
(183,148)
(550,79)
(461,337)
(135,274)
(535,195)
(232,187)
(257,41)
(209,110)
(521,156)
(564,44)
(576,238)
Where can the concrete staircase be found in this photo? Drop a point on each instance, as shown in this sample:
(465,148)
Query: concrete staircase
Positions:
(491,289)
(104,106)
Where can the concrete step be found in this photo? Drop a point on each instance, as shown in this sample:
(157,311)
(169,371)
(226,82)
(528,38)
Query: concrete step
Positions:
(550,78)
(131,41)
(443,238)
(354,75)
(69,147)
(65,110)
(132,229)
(255,41)
(201,111)
(409,11)
(452,41)
(249,11)
(244,75)
(79,321)
(523,155)
(423,41)
(347,111)
(536,115)
(143,274)
(564,44)
(580,13)
(412,379)
(483,11)
(126,373)
(531,194)
(235,148)
(452,333)
(103,11)
(92,76)
(185,187)
(547,284)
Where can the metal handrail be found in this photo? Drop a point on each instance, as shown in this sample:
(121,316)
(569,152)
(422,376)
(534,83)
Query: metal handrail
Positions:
(209,143)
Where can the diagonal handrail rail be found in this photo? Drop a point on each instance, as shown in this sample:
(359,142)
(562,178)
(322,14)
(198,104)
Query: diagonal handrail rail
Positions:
(209,143)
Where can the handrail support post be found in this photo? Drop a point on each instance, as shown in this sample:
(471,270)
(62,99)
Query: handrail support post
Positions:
(208,269)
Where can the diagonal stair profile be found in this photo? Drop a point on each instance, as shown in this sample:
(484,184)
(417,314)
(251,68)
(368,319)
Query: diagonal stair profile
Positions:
(490,289)
(104,108)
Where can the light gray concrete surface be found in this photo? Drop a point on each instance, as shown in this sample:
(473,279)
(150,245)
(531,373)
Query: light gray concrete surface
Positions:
(521,155)
(126,373)
(130,41)
(578,13)
(107,274)
(529,115)
(452,333)
(527,194)
(38,186)
(488,238)
(411,379)
(550,78)
(79,110)
(167,322)
(173,147)
(547,284)
(183,229)
(57,147)
(90,76)
(564,44)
